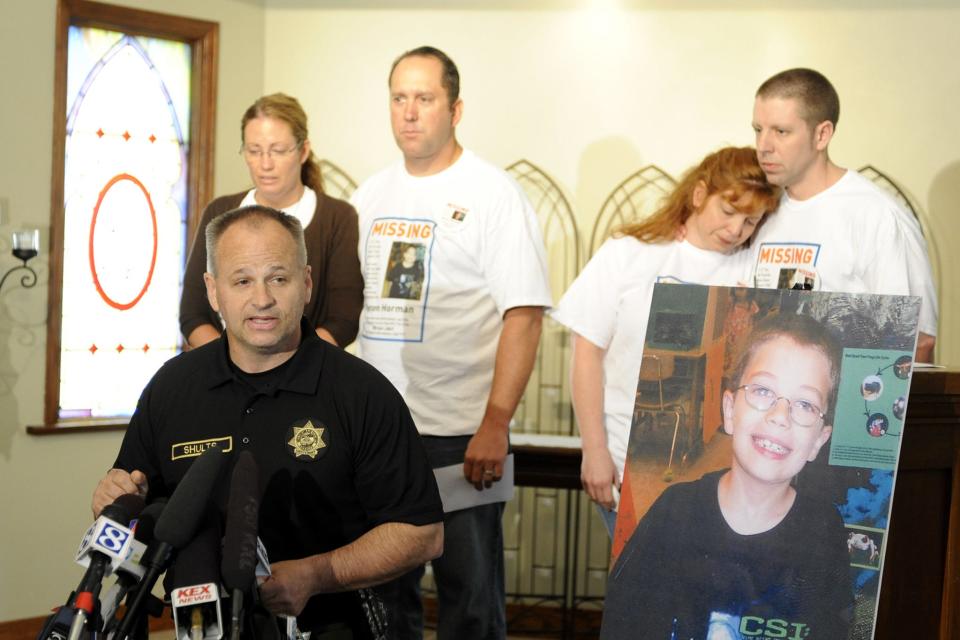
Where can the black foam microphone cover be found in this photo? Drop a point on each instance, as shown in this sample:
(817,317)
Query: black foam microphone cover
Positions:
(175,527)
(124,508)
(179,521)
(239,563)
(147,521)
(194,583)
(199,561)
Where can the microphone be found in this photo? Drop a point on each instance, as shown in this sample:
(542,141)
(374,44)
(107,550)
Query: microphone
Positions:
(58,624)
(104,546)
(195,591)
(239,562)
(147,522)
(131,570)
(175,527)
(108,540)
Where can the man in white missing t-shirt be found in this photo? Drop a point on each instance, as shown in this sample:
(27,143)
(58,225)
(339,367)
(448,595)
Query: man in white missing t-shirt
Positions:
(460,344)
(835,230)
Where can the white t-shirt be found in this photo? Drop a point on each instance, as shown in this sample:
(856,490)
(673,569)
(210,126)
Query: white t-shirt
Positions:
(853,237)
(609,304)
(303,209)
(432,327)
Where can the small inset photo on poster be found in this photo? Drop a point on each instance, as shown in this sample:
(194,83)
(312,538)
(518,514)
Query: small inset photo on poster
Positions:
(877,425)
(864,545)
(900,407)
(871,387)
(902,367)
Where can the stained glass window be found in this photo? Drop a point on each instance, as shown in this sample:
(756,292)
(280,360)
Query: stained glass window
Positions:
(134,109)
(125,205)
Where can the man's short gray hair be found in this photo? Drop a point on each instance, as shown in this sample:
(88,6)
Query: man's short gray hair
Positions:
(255,214)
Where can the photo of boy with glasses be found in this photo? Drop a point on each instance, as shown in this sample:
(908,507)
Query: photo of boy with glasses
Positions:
(743,552)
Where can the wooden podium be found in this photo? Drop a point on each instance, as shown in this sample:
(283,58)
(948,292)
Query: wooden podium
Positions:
(920,591)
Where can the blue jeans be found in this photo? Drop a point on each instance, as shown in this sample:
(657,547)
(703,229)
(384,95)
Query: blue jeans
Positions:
(469,575)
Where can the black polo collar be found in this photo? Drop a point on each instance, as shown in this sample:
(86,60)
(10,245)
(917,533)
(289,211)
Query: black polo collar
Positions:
(302,371)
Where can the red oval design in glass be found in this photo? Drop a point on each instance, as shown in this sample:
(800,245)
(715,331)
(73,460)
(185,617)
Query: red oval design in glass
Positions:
(122,306)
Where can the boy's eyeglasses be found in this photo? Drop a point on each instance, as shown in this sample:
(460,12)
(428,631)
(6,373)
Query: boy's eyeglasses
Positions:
(802,412)
(255,153)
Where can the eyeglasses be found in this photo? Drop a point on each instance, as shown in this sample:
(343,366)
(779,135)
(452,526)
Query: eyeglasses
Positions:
(803,413)
(255,153)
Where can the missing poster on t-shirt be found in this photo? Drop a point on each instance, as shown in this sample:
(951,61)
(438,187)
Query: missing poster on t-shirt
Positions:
(757,491)
(787,265)
(397,278)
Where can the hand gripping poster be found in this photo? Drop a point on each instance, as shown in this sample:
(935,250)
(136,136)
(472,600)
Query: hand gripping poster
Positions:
(760,469)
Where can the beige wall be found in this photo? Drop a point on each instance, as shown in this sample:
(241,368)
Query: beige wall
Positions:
(46,482)
(590,96)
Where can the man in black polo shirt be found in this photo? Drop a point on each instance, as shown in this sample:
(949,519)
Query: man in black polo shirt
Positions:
(349,500)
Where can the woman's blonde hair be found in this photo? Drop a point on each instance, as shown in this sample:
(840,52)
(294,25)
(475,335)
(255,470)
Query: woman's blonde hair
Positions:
(732,172)
(287,109)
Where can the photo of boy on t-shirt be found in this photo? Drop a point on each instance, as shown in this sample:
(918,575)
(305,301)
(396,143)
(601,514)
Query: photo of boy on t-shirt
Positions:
(404,277)
(742,552)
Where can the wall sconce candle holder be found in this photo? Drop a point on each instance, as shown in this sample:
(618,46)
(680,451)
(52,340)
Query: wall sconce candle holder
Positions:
(26,245)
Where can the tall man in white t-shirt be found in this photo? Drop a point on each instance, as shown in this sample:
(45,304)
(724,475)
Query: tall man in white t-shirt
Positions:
(835,230)
(460,342)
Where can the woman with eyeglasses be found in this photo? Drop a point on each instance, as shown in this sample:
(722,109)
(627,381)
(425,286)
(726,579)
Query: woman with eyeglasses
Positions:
(286,176)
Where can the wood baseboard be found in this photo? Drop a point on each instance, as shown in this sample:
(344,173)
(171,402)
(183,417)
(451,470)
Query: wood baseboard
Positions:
(538,620)
(534,620)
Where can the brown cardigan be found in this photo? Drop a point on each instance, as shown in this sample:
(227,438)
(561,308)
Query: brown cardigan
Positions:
(331,239)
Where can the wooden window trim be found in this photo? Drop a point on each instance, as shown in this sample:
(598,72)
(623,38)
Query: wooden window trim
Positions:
(85,425)
(203,37)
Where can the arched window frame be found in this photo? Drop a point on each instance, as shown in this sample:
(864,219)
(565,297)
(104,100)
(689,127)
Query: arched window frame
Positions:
(337,183)
(631,201)
(202,36)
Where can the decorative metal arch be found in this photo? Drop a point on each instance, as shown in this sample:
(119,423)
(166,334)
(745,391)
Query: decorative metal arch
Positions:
(545,407)
(886,183)
(337,183)
(557,222)
(633,199)
(537,540)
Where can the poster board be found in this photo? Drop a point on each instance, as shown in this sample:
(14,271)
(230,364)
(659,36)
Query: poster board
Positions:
(713,557)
